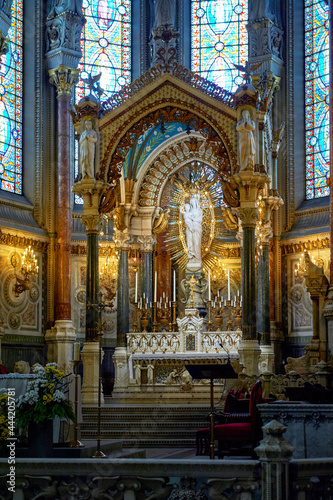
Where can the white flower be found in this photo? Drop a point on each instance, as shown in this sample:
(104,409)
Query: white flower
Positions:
(58,396)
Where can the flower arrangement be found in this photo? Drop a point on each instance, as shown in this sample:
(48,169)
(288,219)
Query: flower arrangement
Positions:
(45,398)
(4,429)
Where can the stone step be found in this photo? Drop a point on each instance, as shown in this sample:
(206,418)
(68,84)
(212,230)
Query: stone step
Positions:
(146,426)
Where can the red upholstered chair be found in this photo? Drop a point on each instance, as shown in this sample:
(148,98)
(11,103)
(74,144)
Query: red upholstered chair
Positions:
(234,410)
(241,436)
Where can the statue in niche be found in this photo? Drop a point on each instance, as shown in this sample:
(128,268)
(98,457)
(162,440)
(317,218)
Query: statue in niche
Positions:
(57,7)
(192,214)
(269,9)
(247,146)
(88,140)
(276,41)
(150,374)
(164,12)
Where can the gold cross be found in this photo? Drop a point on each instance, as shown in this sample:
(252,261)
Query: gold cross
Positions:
(192,282)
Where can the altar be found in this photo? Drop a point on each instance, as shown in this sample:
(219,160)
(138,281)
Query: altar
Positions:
(155,361)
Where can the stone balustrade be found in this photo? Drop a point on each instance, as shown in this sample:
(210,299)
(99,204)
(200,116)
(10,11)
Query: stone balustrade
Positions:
(175,342)
(273,476)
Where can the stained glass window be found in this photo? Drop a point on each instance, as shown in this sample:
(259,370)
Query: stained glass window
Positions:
(219,39)
(106,49)
(316,98)
(106,44)
(11,106)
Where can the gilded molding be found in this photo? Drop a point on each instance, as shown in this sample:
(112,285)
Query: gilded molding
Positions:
(22,242)
(144,117)
(153,74)
(183,150)
(301,246)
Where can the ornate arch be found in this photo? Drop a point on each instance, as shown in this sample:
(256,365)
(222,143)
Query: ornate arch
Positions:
(176,154)
(169,109)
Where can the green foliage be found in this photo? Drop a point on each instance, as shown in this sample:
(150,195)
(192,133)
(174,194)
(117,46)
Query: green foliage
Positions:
(45,398)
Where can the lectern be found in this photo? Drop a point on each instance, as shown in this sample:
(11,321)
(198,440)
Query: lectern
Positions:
(211,372)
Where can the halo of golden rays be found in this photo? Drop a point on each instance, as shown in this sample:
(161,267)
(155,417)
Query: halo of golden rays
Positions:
(202,181)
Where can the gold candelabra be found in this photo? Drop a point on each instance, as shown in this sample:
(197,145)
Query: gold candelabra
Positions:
(29,270)
(164,315)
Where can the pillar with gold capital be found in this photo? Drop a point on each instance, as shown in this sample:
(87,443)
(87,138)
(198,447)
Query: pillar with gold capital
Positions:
(62,58)
(61,336)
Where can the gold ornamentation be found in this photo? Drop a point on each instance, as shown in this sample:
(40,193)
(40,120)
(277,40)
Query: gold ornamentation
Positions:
(160,226)
(301,246)
(64,79)
(183,74)
(193,115)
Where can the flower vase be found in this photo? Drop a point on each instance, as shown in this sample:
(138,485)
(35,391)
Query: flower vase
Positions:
(40,439)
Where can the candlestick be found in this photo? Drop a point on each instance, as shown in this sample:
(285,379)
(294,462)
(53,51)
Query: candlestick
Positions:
(76,351)
(135,322)
(228,284)
(174,285)
(210,324)
(155,324)
(209,291)
(174,322)
(136,286)
(155,289)
(229,322)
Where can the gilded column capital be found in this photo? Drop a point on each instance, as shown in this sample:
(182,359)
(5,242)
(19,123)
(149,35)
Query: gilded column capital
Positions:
(64,79)
(121,239)
(249,217)
(146,242)
(92,222)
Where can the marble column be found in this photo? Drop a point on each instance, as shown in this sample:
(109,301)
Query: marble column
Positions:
(121,241)
(249,350)
(263,312)
(163,267)
(249,320)
(146,250)
(62,335)
(92,223)
(91,190)
(120,358)
(266,362)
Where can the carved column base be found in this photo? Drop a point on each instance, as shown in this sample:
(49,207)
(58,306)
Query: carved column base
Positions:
(90,360)
(59,342)
(266,360)
(249,354)
(121,369)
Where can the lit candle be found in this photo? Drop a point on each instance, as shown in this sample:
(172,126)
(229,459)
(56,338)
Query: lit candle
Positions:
(218,293)
(155,289)
(174,285)
(136,287)
(209,294)
(76,351)
(237,293)
(167,299)
(228,284)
